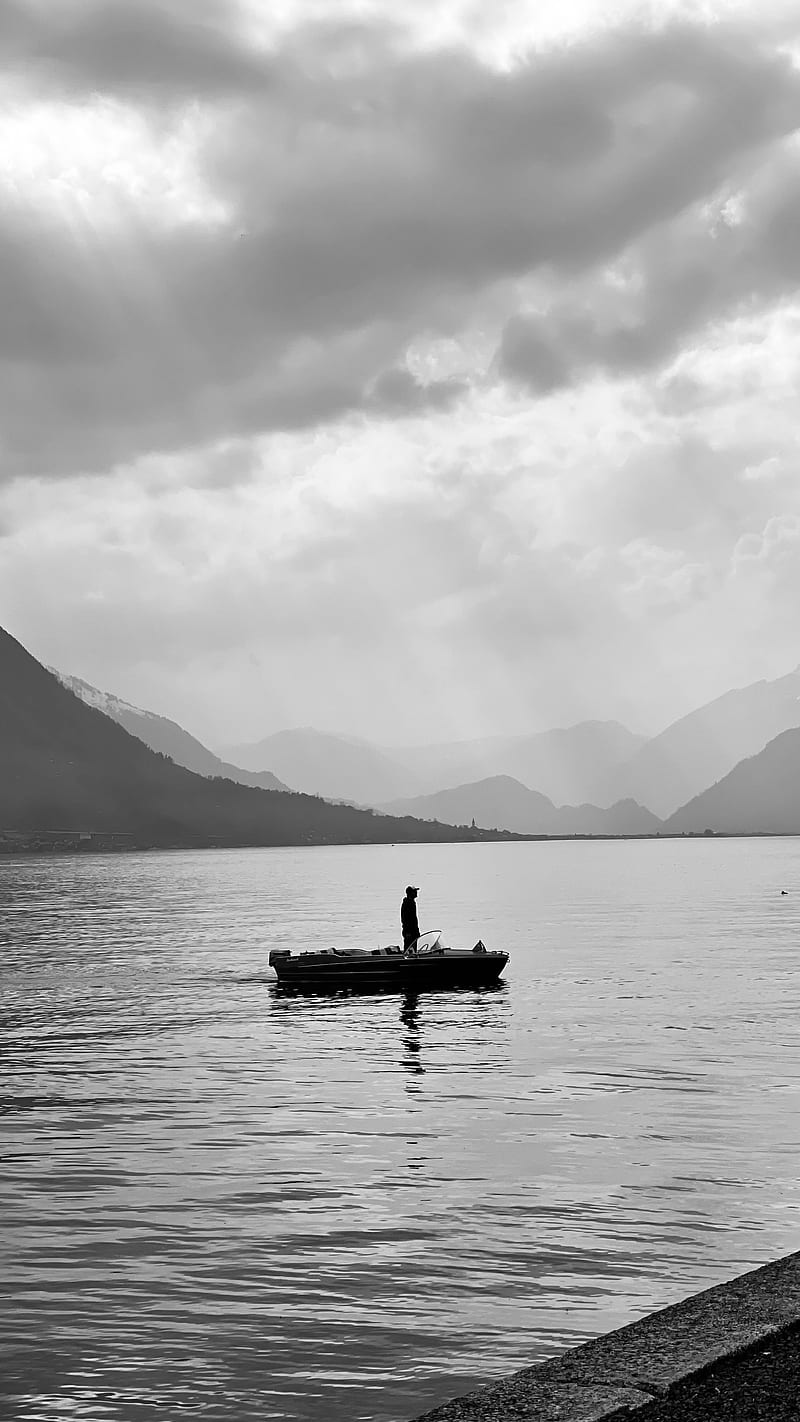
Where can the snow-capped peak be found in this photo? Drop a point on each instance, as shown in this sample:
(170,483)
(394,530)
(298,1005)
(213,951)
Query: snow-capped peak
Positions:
(104,701)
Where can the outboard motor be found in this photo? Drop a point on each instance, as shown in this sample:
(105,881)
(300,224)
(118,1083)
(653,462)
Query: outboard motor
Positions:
(277,953)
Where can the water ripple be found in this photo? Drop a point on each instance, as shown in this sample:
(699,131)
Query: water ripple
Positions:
(224,1202)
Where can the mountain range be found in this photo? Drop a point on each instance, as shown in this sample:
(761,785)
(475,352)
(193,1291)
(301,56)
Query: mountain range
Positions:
(337,767)
(761,795)
(348,770)
(67,766)
(731,766)
(568,765)
(699,749)
(165,736)
(501,800)
(596,763)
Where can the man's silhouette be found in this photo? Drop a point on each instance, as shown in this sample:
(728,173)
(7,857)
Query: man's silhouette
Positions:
(408,915)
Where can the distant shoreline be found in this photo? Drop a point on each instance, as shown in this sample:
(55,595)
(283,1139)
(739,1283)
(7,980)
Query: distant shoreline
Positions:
(37,847)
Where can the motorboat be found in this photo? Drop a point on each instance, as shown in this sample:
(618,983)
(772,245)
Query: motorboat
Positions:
(426,963)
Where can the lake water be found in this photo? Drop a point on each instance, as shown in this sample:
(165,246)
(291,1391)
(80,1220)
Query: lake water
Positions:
(221,1203)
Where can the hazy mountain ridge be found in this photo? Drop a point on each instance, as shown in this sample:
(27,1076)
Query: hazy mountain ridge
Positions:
(566,764)
(701,748)
(500,801)
(761,795)
(353,772)
(105,701)
(336,767)
(595,766)
(569,765)
(68,766)
(165,736)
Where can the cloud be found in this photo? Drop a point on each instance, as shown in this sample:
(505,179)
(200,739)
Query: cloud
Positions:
(364,195)
(158,51)
(706,268)
(549,564)
(284,598)
(530,352)
(775,545)
(397,391)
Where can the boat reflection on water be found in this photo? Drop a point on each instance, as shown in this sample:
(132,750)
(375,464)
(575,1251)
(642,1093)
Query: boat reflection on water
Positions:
(412,1045)
(345,1021)
(364,1014)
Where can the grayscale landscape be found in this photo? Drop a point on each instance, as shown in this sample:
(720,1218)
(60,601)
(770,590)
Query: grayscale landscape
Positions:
(730,767)
(399,690)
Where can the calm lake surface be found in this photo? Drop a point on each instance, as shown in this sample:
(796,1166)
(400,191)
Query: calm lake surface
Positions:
(222,1203)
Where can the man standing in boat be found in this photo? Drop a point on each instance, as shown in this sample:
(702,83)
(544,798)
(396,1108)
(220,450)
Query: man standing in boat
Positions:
(408,916)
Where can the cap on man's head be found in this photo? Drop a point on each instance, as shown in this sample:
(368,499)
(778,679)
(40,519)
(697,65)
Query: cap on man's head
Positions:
(412,889)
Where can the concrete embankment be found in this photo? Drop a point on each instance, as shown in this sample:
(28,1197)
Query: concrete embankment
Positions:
(731,1352)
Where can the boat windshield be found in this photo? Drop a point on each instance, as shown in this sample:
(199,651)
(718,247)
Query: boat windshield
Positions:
(430,940)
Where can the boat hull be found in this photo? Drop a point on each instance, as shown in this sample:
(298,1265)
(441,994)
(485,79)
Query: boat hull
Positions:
(383,974)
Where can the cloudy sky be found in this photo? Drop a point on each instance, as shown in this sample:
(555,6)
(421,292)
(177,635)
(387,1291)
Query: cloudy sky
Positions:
(416,370)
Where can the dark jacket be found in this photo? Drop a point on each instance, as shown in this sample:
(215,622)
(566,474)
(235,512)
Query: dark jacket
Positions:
(408,919)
